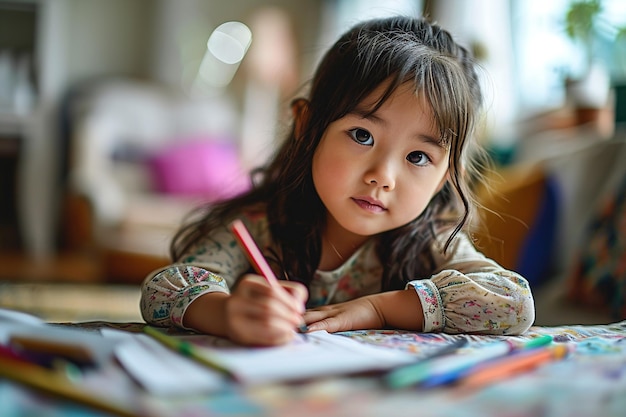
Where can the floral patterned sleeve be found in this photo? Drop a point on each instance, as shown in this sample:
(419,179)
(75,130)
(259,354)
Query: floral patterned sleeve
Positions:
(472,293)
(213,265)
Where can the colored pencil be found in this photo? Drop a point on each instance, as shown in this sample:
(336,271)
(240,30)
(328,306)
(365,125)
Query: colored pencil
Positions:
(404,375)
(51,349)
(448,369)
(54,383)
(453,375)
(512,365)
(538,341)
(256,258)
(187,349)
(10,354)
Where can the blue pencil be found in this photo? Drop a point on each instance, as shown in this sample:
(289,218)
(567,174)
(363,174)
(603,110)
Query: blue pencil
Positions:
(405,375)
(461,372)
(445,370)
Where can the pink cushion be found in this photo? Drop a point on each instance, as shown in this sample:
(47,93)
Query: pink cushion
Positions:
(199,167)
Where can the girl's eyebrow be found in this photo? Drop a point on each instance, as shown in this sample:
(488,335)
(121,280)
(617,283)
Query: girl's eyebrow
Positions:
(439,142)
(368,115)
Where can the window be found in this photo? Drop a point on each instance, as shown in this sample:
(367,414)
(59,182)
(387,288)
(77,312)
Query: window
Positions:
(544,54)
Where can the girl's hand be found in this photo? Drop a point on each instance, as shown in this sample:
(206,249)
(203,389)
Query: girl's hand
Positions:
(396,309)
(361,313)
(259,314)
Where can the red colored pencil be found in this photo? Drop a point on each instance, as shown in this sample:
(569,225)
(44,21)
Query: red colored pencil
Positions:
(253,252)
(256,258)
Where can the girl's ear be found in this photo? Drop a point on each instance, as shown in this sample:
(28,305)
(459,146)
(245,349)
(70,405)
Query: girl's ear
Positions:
(300,111)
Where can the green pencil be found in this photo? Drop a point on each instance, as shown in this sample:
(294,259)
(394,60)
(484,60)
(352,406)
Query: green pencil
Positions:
(538,341)
(187,349)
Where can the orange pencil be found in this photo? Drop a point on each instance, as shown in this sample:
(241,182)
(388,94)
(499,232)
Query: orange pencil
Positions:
(256,258)
(514,364)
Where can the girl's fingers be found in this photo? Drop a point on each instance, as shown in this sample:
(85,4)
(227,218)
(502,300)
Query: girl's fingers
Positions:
(260,314)
(291,294)
(249,328)
(298,291)
(311,316)
(320,320)
(360,313)
(269,311)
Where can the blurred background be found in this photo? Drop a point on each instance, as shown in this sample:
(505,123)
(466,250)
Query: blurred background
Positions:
(119,116)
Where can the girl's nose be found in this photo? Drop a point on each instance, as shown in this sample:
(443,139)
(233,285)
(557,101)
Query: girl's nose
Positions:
(381,174)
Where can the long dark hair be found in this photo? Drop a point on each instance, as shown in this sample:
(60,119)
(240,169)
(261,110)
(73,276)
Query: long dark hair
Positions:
(395,50)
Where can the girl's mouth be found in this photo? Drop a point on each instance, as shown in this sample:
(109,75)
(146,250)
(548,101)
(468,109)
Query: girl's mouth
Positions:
(369,204)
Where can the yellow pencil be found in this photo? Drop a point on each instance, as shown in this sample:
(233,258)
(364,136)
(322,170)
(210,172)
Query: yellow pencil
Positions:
(54,383)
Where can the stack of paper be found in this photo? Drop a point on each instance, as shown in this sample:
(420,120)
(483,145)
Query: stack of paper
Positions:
(158,369)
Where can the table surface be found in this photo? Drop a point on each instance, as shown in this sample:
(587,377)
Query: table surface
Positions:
(591,381)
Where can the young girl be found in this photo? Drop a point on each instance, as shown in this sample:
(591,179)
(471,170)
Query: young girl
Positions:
(362,211)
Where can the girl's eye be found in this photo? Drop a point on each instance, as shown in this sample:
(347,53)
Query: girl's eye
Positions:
(361,136)
(418,158)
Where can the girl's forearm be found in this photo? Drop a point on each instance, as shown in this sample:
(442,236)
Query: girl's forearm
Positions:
(400,309)
(206,314)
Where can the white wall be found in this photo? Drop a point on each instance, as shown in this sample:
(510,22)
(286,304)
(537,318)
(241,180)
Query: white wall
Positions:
(488,23)
(105,37)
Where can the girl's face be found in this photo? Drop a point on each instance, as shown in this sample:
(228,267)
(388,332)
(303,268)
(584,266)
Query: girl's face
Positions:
(378,172)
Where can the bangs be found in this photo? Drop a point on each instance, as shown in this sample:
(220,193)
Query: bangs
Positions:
(368,57)
(446,90)
(436,79)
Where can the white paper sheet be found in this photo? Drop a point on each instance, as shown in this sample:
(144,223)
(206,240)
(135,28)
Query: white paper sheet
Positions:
(320,354)
(160,370)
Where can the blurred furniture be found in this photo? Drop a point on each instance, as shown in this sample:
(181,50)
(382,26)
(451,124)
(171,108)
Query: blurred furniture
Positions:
(538,220)
(140,159)
(18,45)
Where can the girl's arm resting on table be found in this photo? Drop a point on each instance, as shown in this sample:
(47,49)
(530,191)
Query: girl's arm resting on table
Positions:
(394,309)
(166,294)
(192,298)
(201,294)
(472,293)
(469,294)
(255,313)
(211,266)
(207,314)
(488,302)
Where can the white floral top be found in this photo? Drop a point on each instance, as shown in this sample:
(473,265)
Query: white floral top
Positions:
(467,293)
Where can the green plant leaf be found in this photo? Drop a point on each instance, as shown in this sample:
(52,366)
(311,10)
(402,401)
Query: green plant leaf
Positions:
(580,18)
